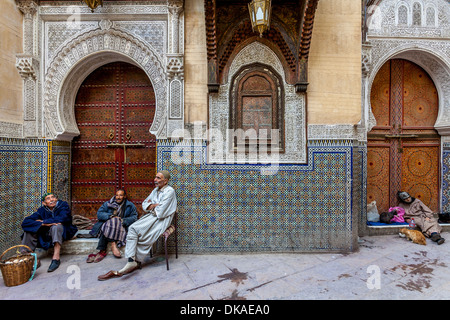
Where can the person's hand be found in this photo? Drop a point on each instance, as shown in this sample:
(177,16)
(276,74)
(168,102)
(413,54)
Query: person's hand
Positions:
(50,224)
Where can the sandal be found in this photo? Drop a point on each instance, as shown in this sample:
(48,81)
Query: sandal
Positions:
(99,257)
(91,258)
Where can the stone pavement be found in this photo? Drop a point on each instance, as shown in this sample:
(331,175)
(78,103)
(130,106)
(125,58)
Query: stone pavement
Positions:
(385,267)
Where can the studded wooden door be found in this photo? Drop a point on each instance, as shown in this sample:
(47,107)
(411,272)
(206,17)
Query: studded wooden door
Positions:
(114,110)
(403,148)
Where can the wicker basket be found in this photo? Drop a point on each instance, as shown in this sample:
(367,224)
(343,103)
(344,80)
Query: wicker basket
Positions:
(19,268)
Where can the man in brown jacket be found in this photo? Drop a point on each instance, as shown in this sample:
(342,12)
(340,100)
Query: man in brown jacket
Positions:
(422,215)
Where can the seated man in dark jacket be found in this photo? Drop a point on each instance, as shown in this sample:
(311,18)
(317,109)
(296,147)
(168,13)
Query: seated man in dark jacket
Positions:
(114,218)
(48,227)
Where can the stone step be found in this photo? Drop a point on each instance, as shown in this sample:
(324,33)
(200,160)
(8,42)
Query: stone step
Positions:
(394,229)
(82,246)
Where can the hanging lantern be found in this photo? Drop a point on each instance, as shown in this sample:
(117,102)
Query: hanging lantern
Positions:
(93,3)
(260,11)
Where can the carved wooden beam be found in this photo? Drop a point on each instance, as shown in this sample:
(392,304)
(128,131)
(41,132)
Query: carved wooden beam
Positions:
(211,45)
(305,44)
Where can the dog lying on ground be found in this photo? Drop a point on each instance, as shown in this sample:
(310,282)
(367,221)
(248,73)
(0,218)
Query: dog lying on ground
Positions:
(415,236)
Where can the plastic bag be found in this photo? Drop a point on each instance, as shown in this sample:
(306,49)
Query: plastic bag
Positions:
(372,212)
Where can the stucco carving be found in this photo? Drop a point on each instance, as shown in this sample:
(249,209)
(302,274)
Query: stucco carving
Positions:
(107,45)
(418,31)
(294,116)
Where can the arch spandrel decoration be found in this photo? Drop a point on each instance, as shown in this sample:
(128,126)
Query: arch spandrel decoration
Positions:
(81,56)
(433,62)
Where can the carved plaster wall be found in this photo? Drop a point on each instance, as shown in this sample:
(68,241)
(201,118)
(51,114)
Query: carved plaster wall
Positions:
(64,42)
(415,30)
(78,59)
(294,108)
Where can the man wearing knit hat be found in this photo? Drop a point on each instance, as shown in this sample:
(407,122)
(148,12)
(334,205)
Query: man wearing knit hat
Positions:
(48,227)
(422,215)
(159,206)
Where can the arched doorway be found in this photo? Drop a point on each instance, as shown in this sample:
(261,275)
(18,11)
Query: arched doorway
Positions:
(114,109)
(403,149)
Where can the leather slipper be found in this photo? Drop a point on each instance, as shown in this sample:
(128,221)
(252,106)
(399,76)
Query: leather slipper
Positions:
(91,258)
(99,257)
(111,274)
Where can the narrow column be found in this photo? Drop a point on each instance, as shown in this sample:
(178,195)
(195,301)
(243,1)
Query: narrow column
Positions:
(175,70)
(28,66)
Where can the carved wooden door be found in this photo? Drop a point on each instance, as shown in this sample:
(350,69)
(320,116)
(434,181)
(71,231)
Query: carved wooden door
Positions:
(114,110)
(403,148)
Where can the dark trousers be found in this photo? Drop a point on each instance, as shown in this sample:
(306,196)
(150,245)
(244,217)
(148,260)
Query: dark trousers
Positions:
(55,232)
(103,243)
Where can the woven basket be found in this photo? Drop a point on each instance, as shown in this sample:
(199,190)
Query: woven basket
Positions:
(17,269)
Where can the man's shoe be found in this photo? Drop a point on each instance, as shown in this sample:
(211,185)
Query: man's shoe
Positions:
(54,265)
(99,257)
(111,274)
(435,236)
(440,241)
(91,258)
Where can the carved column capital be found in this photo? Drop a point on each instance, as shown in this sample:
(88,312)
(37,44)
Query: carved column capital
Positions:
(27,7)
(175,6)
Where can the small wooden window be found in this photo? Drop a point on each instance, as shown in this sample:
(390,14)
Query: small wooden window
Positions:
(257,108)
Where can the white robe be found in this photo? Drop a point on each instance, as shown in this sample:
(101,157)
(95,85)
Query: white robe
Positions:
(145,231)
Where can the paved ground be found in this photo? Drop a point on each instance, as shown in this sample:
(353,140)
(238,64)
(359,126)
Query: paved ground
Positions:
(385,267)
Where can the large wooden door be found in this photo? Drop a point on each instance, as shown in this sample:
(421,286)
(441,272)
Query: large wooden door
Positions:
(403,148)
(114,110)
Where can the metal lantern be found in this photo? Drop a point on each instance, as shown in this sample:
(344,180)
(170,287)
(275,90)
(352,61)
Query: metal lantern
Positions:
(93,3)
(260,11)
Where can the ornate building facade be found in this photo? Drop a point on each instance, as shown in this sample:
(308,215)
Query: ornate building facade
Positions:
(275,142)
(406,100)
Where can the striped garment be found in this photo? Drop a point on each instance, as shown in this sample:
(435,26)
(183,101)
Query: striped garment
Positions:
(113,229)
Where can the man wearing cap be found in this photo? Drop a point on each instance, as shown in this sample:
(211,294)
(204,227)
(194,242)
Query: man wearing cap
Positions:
(422,215)
(48,227)
(159,206)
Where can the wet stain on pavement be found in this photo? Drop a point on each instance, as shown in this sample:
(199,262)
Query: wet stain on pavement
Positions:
(234,276)
(418,276)
(234,296)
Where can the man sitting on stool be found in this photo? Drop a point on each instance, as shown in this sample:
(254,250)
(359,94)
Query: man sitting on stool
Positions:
(160,207)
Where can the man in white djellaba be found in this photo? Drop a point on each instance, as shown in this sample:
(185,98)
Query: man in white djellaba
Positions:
(160,207)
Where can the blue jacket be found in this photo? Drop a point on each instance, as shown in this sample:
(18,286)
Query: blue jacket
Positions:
(60,214)
(130,215)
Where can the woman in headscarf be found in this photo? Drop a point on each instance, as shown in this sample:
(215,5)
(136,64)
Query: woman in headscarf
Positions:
(114,218)
(422,215)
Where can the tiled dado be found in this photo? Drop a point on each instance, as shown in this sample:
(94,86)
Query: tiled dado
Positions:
(445,196)
(222,207)
(28,169)
(235,208)
(23,179)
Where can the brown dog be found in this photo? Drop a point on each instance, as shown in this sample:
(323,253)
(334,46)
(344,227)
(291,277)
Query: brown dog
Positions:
(414,235)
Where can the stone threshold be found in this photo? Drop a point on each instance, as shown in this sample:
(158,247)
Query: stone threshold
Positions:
(394,229)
